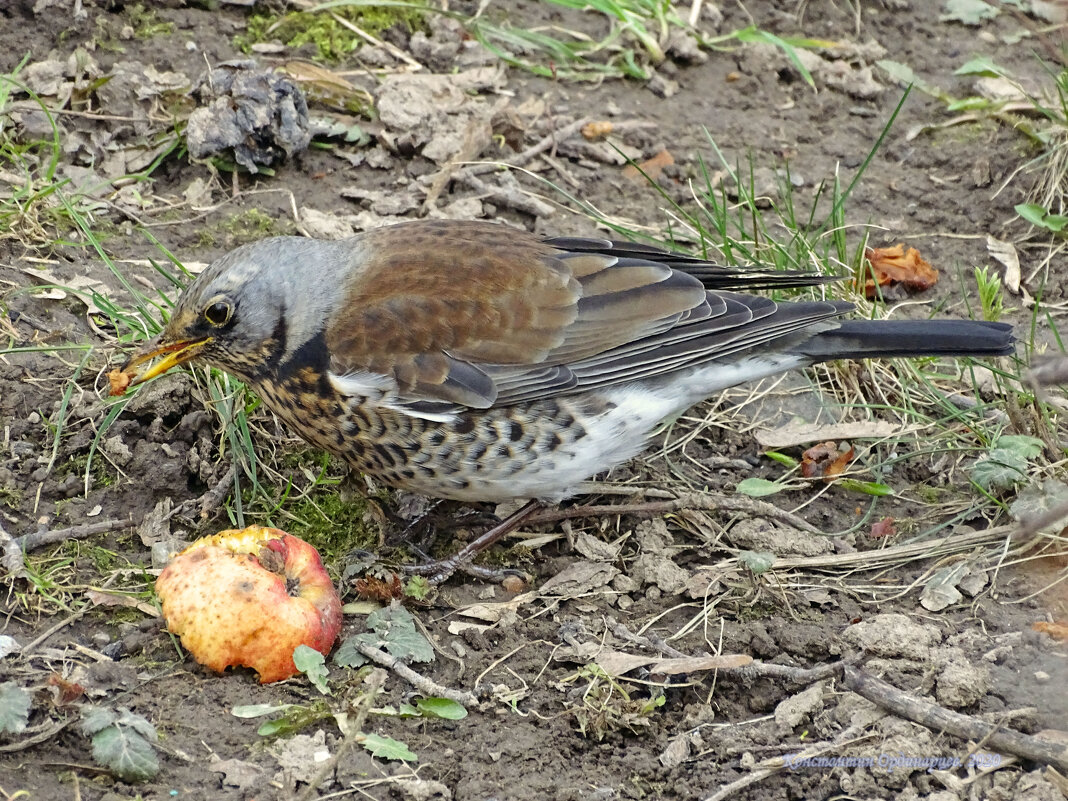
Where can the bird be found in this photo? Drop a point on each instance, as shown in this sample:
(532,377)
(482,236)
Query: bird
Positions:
(475,361)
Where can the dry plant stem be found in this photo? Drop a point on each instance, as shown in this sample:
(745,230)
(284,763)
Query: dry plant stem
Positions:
(38,539)
(650,641)
(12,560)
(750,671)
(38,737)
(512,198)
(424,685)
(792,674)
(700,501)
(375,681)
(548,142)
(938,719)
(729,790)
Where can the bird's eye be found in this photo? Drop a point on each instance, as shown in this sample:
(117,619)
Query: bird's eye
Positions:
(218,313)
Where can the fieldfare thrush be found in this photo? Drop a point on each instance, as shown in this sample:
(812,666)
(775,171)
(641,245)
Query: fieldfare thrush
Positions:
(474,361)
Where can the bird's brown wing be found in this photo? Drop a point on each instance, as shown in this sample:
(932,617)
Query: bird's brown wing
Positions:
(440,306)
(472,314)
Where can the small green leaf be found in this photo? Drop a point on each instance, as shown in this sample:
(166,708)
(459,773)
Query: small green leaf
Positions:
(969,104)
(757,561)
(969,12)
(441,708)
(1024,446)
(14,708)
(1006,464)
(759,487)
(1001,469)
(124,747)
(396,630)
(259,710)
(866,487)
(388,748)
(408,711)
(96,718)
(981,66)
(347,654)
(417,587)
(1037,215)
(273,728)
(782,458)
(313,665)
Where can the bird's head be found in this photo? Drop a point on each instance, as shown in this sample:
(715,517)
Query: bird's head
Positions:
(248,309)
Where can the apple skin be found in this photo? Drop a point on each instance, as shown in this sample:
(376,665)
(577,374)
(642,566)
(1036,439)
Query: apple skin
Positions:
(248,597)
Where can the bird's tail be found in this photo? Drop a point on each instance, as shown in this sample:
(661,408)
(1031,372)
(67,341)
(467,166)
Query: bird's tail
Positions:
(867,339)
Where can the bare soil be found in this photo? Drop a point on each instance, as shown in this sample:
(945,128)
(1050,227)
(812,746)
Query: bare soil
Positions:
(937,191)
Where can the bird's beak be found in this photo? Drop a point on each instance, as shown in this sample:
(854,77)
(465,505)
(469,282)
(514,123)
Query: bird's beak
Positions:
(173,354)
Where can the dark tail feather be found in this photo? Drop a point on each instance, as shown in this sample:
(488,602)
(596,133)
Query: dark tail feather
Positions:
(868,339)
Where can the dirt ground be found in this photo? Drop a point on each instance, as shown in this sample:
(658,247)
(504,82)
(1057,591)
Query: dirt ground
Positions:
(547,727)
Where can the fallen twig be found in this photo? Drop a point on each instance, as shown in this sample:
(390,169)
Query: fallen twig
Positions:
(939,719)
(38,539)
(428,687)
(12,560)
(39,735)
(778,763)
(700,501)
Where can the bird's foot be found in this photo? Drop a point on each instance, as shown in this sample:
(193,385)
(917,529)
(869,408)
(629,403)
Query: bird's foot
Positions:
(439,570)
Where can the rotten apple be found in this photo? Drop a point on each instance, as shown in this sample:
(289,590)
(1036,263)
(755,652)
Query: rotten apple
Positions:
(248,597)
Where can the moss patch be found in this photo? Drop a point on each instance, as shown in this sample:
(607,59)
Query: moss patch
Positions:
(333,41)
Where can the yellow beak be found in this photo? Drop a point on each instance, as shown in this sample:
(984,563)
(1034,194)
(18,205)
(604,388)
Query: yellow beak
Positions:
(173,354)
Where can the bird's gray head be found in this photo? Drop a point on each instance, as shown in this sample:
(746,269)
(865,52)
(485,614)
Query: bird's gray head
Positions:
(253,307)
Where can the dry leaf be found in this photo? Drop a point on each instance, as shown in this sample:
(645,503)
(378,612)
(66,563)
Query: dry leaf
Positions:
(1005,252)
(884,528)
(793,434)
(376,589)
(693,664)
(825,460)
(98,598)
(1056,630)
(650,168)
(616,663)
(118,382)
(895,265)
(491,613)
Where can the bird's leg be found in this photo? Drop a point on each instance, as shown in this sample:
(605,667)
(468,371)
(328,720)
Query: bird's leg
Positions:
(439,570)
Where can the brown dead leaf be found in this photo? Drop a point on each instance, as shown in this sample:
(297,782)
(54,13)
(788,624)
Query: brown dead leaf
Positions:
(118,382)
(793,434)
(376,589)
(884,528)
(98,598)
(64,691)
(895,265)
(597,130)
(825,460)
(650,168)
(1057,630)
